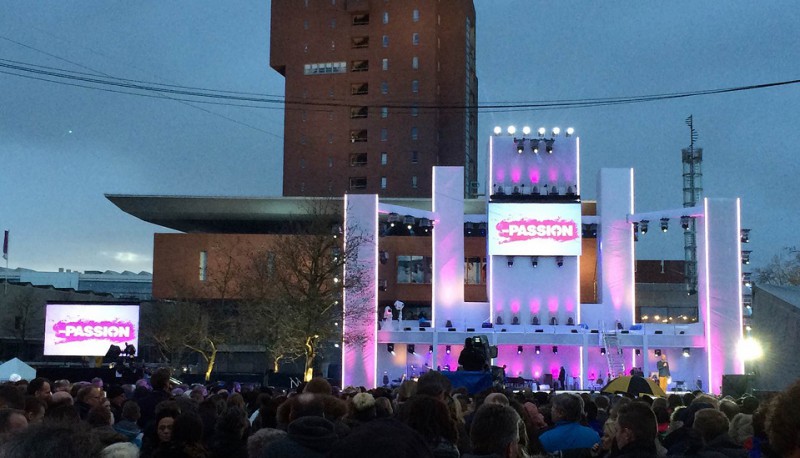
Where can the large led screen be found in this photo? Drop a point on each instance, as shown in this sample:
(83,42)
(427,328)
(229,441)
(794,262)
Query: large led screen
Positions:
(89,329)
(534,229)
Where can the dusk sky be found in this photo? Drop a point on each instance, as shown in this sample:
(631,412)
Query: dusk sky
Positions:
(63,147)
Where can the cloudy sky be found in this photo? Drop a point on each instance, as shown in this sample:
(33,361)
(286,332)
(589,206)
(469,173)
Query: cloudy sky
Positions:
(63,146)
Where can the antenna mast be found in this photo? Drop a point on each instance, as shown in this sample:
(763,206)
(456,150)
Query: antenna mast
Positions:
(692,193)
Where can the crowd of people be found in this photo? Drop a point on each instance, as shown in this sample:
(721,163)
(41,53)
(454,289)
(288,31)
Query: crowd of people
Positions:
(423,418)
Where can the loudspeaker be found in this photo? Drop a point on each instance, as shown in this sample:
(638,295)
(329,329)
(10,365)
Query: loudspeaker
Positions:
(736,385)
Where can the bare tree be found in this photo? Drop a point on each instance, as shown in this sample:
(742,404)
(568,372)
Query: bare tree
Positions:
(782,270)
(195,323)
(27,313)
(296,285)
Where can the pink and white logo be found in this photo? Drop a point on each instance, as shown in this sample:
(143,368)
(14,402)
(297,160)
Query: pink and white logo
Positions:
(82,330)
(519,230)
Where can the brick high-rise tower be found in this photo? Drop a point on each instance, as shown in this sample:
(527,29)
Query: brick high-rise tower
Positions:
(377,92)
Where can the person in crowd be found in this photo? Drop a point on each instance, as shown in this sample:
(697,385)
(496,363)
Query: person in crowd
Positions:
(35,409)
(406,390)
(713,425)
(783,422)
(608,443)
(636,432)
(229,439)
(471,357)
(495,432)
(318,385)
(430,417)
(383,407)
(116,398)
(259,441)
(52,439)
(161,392)
(567,432)
(127,425)
(434,384)
(157,439)
(384,437)
(741,429)
(309,434)
(360,409)
(662,366)
(12,421)
(682,439)
(11,397)
(186,439)
(729,407)
(40,388)
(61,398)
(87,398)
(61,385)
(120,450)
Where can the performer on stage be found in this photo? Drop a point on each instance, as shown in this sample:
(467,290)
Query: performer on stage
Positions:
(663,372)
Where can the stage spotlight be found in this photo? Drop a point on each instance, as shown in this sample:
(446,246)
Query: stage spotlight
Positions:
(603,351)
(510,261)
(526,130)
(560,261)
(393,219)
(447,349)
(555,350)
(664,224)
(556,131)
(535,146)
(538,350)
(548,145)
(541,131)
(570,131)
(412,349)
(384,257)
(744,235)
(643,226)
(746,256)
(534,261)
(638,352)
(390,348)
(430,349)
(687,352)
(498,130)
(750,349)
(747,279)
(511,130)
(685,222)
(520,145)
(519,349)
(657,352)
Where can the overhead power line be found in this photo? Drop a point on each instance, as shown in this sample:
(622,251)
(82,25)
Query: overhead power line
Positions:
(254,100)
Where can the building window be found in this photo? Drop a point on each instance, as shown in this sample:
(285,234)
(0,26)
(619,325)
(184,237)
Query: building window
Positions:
(324,68)
(384,134)
(305,24)
(333,23)
(414,182)
(385,41)
(358,183)
(359,112)
(359,89)
(414,133)
(359,42)
(385,64)
(384,88)
(385,17)
(415,62)
(333,45)
(358,136)
(415,15)
(330,138)
(383,182)
(475,271)
(414,269)
(361,19)
(414,110)
(203,265)
(358,160)
(384,158)
(384,112)
(415,38)
(330,162)
(415,157)
(415,86)
(359,66)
